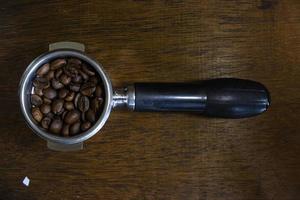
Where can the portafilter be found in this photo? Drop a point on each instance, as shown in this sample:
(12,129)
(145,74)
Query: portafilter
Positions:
(223,97)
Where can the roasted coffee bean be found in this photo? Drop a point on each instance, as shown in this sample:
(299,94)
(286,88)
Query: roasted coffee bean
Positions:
(90,116)
(38,91)
(58,73)
(61,111)
(72,117)
(77,79)
(37,114)
(46,122)
(46,100)
(98,91)
(87,89)
(43,70)
(85,125)
(94,80)
(64,79)
(56,84)
(40,82)
(50,93)
(50,75)
(74,61)
(45,108)
(58,63)
(84,75)
(65,130)
(36,100)
(64,114)
(75,128)
(78,67)
(76,99)
(89,84)
(74,87)
(50,115)
(101,100)
(57,106)
(70,96)
(56,125)
(83,116)
(62,93)
(83,103)
(69,105)
(87,70)
(70,70)
(96,104)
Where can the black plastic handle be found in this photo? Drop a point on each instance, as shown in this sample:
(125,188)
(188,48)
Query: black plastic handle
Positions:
(226,97)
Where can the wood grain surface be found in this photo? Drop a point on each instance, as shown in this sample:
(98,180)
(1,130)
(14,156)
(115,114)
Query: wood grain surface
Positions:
(159,155)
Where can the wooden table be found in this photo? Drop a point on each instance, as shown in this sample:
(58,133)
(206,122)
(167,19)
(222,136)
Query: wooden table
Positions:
(159,155)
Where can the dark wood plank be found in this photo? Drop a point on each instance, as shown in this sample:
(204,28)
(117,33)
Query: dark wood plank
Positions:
(159,155)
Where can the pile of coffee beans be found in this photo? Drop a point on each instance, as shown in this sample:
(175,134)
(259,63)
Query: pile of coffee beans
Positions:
(68,96)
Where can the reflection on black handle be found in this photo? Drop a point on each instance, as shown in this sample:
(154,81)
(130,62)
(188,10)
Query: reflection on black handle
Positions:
(227,97)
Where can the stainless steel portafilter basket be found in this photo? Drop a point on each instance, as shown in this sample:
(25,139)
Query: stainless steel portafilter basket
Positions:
(227,98)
